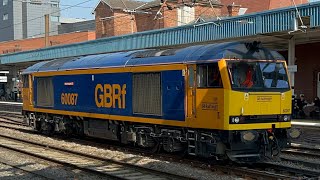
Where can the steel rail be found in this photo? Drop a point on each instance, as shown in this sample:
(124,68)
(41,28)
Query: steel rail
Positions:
(26,169)
(121,170)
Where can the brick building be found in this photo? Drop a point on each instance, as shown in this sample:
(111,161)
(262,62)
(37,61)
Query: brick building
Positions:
(36,43)
(251,6)
(307,78)
(114,17)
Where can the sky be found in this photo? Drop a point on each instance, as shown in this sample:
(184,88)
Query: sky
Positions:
(81,11)
(84,10)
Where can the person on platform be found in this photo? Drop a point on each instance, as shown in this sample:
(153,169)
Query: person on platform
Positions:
(309,110)
(302,103)
(315,113)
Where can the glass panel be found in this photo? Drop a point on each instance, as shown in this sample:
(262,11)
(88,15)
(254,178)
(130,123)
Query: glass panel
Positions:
(5,17)
(191,76)
(214,77)
(202,76)
(258,75)
(274,75)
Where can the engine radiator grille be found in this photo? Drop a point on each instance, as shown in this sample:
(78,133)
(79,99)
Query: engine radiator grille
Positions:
(147,94)
(45,92)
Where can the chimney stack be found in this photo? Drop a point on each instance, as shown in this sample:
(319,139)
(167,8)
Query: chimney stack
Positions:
(233,9)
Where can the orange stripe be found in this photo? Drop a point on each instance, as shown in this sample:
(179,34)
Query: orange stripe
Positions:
(113,70)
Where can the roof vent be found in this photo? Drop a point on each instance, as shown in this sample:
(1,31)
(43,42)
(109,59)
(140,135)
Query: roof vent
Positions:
(154,53)
(254,46)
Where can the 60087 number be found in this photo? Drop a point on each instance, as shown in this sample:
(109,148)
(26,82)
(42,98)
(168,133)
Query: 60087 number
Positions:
(69,99)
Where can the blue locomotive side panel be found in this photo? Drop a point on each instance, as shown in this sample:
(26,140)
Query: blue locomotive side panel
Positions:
(99,93)
(173,95)
(112,94)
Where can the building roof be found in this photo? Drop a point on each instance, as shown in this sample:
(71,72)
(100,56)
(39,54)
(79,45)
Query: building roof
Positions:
(258,6)
(139,5)
(192,54)
(129,4)
(65,20)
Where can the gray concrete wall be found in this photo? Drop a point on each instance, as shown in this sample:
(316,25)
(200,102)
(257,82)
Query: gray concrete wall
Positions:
(6,26)
(26,20)
(36,22)
(18,20)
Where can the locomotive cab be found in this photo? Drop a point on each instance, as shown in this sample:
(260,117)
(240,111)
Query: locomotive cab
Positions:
(259,107)
(262,91)
(247,104)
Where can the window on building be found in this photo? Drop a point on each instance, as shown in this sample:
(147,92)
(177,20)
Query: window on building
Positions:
(186,15)
(36,2)
(5,17)
(4,2)
(54,18)
(208,75)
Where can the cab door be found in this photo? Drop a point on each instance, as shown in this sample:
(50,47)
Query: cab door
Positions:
(318,84)
(30,90)
(191,91)
(25,92)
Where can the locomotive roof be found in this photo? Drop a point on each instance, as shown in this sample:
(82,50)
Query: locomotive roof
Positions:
(191,54)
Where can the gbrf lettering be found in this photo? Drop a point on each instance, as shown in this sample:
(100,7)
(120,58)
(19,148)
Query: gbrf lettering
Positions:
(108,95)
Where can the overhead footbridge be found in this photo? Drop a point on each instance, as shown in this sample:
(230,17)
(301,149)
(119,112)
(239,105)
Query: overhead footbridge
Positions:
(270,27)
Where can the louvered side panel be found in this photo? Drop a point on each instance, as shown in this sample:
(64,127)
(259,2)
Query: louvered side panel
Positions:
(147,94)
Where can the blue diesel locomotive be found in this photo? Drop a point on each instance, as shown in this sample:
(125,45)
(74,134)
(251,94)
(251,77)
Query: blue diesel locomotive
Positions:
(227,101)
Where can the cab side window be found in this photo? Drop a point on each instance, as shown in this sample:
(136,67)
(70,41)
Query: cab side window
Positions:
(208,75)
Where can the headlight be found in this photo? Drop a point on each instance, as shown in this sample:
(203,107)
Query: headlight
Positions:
(284,118)
(236,119)
(248,136)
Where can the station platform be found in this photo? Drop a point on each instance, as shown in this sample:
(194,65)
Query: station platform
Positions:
(6,106)
(306,122)
(9,102)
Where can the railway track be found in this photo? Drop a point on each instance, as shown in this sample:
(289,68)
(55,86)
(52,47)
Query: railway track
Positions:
(303,151)
(95,164)
(237,171)
(11,117)
(226,169)
(303,155)
(5,121)
(266,171)
(298,173)
(305,163)
(26,169)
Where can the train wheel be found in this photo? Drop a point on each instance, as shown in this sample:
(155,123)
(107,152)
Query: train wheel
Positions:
(46,128)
